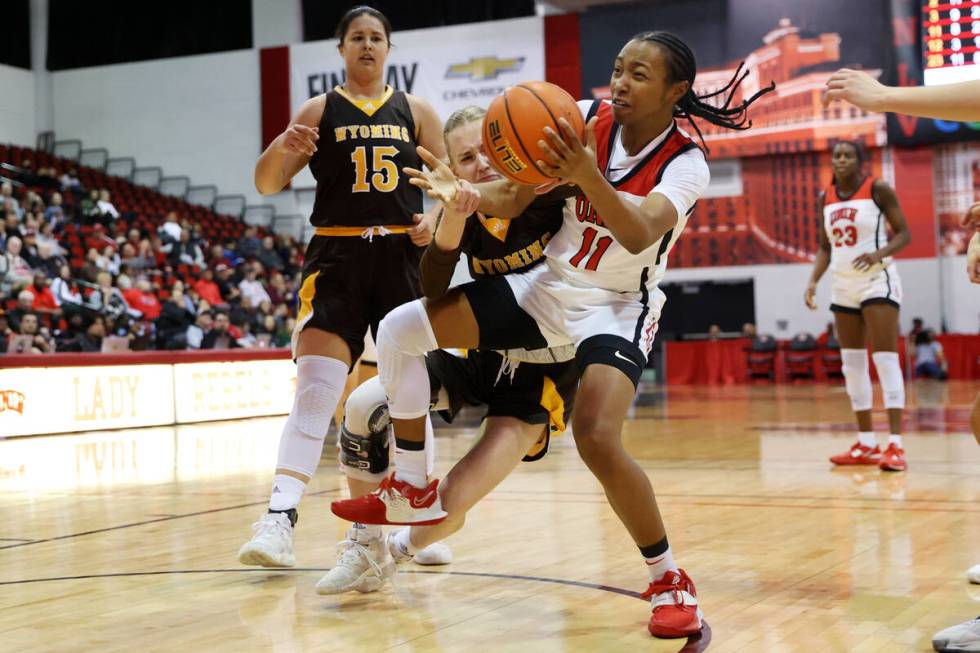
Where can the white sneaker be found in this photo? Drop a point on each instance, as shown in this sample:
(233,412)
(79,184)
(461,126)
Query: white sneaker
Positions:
(363,565)
(436,553)
(961,638)
(973,574)
(272,543)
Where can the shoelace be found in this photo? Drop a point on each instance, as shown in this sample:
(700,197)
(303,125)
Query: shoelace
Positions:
(371,232)
(508,367)
(355,549)
(270,526)
(674,589)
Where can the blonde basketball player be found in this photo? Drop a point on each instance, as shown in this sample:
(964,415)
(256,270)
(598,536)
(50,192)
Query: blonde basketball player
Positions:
(527,395)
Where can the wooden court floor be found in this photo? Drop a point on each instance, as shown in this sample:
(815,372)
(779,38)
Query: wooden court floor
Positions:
(126,540)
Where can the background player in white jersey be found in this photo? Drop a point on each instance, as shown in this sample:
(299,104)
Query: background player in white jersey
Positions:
(633,218)
(952,102)
(866,294)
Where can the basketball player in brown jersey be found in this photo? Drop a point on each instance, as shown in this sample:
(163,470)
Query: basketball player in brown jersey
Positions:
(363,260)
(528,394)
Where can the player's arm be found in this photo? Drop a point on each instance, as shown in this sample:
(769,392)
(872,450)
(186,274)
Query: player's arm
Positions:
(960,102)
(501,199)
(508,200)
(291,150)
(635,227)
(886,200)
(440,257)
(822,261)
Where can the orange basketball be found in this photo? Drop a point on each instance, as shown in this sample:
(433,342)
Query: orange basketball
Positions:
(515,122)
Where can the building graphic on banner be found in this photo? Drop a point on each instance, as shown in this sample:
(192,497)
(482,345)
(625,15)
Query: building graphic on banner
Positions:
(783,156)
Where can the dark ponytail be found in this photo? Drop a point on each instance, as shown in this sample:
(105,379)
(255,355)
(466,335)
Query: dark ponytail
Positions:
(682,67)
(362,10)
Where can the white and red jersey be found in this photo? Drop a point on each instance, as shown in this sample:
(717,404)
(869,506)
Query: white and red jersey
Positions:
(584,251)
(855,225)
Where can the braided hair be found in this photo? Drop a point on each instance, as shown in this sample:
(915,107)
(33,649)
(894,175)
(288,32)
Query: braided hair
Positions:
(682,67)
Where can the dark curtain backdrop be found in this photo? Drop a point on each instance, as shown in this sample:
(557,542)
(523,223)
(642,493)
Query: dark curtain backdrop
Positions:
(101,32)
(320,17)
(15,46)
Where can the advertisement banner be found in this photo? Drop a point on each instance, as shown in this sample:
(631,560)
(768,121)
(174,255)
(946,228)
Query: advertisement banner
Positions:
(212,391)
(66,399)
(451,67)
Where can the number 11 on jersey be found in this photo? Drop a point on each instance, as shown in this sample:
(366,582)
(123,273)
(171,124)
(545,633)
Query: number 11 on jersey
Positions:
(588,239)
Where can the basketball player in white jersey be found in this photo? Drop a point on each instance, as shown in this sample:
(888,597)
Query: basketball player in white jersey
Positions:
(866,294)
(639,177)
(949,102)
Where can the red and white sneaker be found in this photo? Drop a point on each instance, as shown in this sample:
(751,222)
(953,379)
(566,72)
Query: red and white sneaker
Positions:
(858,455)
(675,606)
(394,502)
(893,460)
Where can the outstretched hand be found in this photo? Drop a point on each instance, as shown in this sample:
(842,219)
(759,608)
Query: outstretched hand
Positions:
(439,182)
(857,87)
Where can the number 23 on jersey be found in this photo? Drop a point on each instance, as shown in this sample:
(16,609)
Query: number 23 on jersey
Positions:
(845,236)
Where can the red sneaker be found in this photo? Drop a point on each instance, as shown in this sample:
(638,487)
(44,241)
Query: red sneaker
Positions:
(893,460)
(858,455)
(675,606)
(394,502)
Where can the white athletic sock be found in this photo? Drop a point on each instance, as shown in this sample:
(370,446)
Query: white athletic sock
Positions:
(286,492)
(867,438)
(410,462)
(895,440)
(371,530)
(403,542)
(660,565)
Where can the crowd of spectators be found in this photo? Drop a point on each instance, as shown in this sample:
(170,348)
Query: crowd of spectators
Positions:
(164,286)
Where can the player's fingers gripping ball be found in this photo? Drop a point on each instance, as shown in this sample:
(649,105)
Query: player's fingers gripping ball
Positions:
(515,122)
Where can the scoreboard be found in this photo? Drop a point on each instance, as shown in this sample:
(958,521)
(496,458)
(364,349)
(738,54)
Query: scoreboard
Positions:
(950,41)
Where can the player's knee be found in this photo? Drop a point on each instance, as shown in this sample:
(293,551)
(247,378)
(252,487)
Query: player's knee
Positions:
(364,441)
(366,410)
(890,377)
(406,329)
(857,380)
(596,438)
(319,382)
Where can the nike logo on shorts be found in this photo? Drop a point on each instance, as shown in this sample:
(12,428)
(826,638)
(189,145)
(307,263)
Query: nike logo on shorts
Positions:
(621,357)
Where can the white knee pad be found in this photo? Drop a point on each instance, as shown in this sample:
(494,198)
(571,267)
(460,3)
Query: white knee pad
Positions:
(857,379)
(319,383)
(365,439)
(366,410)
(890,377)
(404,337)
